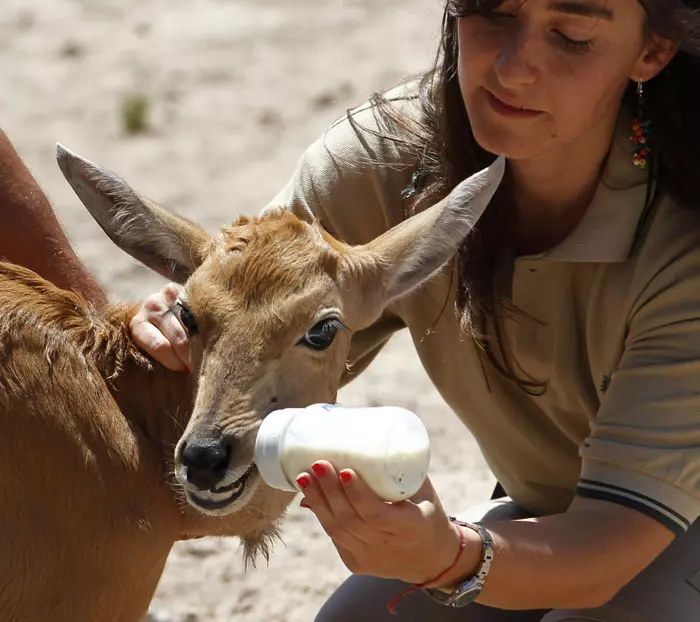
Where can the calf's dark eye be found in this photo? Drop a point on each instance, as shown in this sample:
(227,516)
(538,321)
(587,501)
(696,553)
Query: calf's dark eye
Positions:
(321,335)
(187,318)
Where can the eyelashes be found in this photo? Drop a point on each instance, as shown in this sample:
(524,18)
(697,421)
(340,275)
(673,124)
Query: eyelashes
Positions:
(574,45)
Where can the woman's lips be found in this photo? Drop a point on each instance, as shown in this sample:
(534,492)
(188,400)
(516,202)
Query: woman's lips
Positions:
(509,110)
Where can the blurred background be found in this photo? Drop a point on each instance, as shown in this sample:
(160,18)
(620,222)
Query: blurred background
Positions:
(205,107)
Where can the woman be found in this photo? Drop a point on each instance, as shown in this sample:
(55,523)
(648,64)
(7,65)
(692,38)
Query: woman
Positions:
(574,352)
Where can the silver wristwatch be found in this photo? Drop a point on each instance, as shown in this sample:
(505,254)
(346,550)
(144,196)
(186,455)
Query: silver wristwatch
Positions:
(467,591)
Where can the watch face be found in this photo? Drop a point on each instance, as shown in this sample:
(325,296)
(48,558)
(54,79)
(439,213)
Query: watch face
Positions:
(467,594)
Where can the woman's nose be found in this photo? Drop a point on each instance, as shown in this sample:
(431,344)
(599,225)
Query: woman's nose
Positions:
(516,63)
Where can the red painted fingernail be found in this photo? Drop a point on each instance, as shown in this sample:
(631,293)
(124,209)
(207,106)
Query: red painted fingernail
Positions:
(304,480)
(319,469)
(345,477)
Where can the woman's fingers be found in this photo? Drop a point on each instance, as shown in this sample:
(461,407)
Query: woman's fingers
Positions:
(342,501)
(172,329)
(329,484)
(171,292)
(338,526)
(157,330)
(150,339)
(365,503)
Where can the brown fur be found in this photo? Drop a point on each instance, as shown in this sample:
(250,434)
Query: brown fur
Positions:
(87,429)
(256,241)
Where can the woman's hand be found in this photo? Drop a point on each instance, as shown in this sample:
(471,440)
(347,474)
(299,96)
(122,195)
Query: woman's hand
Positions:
(412,540)
(158,332)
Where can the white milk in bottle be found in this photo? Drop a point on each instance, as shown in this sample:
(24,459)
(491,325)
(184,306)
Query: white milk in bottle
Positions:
(387,446)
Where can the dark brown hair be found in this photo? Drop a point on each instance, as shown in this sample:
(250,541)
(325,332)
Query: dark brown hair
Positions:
(446,152)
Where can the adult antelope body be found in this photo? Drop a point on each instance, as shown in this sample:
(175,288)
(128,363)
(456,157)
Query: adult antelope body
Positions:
(91,430)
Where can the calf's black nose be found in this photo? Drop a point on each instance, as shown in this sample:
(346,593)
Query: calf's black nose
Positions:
(206,461)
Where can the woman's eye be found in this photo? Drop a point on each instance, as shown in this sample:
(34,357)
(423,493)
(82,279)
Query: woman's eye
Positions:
(187,318)
(498,16)
(574,45)
(322,334)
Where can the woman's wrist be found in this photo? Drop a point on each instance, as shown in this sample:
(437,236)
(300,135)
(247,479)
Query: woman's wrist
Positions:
(438,580)
(448,551)
(466,564)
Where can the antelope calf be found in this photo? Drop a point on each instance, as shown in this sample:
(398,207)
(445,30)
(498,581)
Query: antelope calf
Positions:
(107,459)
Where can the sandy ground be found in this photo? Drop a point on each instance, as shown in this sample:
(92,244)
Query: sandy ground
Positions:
(236,90)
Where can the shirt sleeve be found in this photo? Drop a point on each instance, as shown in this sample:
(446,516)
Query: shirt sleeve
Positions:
(643,451)
(351,180)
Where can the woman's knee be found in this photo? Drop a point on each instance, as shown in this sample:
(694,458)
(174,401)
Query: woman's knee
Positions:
(360,598)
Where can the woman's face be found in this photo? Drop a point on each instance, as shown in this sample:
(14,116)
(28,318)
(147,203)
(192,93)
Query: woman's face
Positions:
(540,74)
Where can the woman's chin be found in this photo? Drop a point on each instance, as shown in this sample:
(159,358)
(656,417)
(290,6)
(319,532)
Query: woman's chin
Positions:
(517,140)
(500,142)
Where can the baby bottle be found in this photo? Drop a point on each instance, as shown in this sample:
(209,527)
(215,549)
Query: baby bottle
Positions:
(387,446)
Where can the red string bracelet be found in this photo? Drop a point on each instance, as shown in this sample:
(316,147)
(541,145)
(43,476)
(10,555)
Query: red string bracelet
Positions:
(419,586)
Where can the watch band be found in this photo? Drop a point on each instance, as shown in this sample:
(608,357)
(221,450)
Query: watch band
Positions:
(467,591)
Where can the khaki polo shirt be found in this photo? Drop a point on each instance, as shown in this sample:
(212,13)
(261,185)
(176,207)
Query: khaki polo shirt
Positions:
(614,333)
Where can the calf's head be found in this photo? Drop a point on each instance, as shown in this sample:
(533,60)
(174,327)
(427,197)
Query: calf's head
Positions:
(269,305)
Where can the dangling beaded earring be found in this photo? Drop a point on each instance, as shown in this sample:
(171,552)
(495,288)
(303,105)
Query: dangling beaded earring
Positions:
(640,132)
